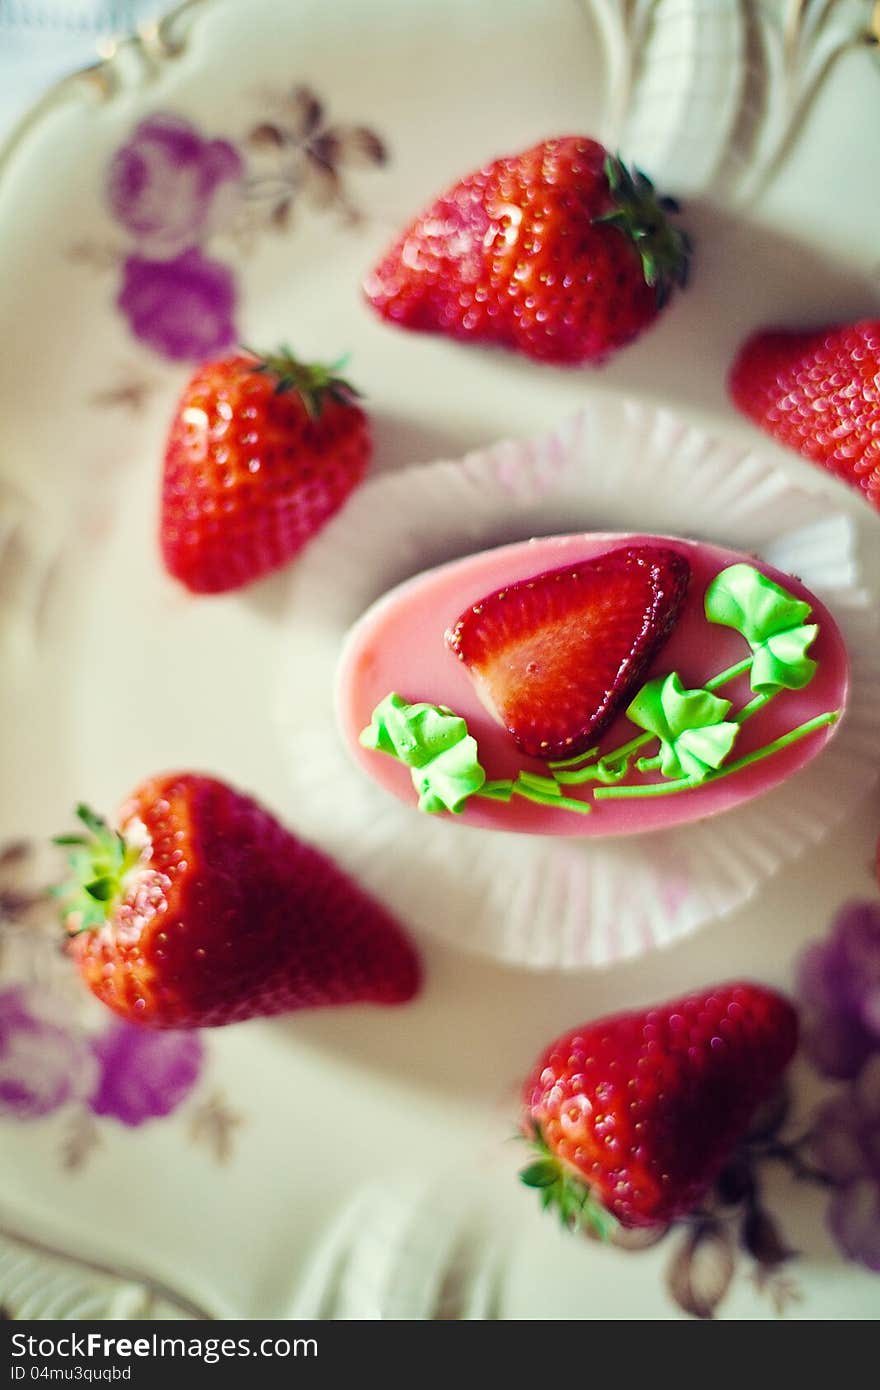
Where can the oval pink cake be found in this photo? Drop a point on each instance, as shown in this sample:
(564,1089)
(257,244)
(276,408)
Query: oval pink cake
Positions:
(488,639)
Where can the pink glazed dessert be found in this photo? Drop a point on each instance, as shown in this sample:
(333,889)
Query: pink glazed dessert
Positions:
(735,679)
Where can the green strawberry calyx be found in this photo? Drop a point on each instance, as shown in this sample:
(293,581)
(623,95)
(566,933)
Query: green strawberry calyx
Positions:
(314,382)
(561,1188)
(101,862)
(643,216)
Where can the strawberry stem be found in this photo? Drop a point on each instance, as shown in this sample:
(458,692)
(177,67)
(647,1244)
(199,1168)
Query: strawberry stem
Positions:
(314,382)
(575,1201)
(638,212)
(100,861)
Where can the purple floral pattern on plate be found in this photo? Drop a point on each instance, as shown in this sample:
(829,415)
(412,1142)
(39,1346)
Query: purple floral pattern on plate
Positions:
(173,190)
(144,1075)
(183,308)
(42,1065)
(170,188)
(839,987)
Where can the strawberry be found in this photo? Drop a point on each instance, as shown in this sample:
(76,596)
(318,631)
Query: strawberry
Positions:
(555,657)
(262,452)
(202,910)
(818,392)
(560,252)
(634,1116)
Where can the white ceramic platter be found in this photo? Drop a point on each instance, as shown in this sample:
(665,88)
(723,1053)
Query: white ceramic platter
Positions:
(294,1167)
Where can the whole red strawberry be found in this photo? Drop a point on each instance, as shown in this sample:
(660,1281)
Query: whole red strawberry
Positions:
(559,252)
(203,910)
(634,1115)
(818,392)
(262,452)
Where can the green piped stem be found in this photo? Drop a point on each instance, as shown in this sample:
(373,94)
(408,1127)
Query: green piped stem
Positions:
(649,764)
(536,783)
(533,787)
(683,784)
(595,772)
(600,771)
(579,758)
(730,674)
(496,791)
(753,707)
(562,803)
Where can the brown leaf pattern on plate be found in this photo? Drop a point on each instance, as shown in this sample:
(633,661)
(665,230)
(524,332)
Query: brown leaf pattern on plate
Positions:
(633,1238)
(96,255)
(80,1141)
(266,134)
(771,1116)
(131,395)
(297,154)
(307,112)
(702,1268)
(20,904)
(735,1183)
(13,853)
(26,909)
(280,215)
(761,1237)
(780,1288)
(213,1124)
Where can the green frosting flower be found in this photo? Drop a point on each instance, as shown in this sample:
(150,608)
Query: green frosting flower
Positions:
(435,744)
(694,736)
(773,623)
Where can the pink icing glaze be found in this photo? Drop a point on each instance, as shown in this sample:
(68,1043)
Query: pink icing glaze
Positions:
(398,645)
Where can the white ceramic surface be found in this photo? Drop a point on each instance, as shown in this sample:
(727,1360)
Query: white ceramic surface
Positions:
(110,672)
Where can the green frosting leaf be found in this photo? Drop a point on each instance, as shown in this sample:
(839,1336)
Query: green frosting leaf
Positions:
(772,621)
(694,736)
(414,734)
(446,782)
(435,744)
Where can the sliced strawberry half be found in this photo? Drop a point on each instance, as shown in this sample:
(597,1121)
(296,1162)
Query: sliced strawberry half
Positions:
(554,658)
